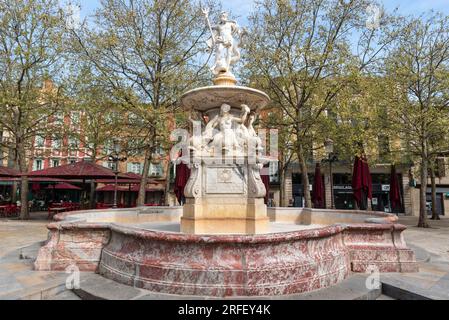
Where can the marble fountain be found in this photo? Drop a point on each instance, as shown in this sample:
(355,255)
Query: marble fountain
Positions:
(225,242)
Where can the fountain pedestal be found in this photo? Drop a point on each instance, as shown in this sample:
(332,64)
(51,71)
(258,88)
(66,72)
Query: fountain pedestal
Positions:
(225,198)
(225,193)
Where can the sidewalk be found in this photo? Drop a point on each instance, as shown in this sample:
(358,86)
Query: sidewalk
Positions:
(16,264)
(431,247)
(434,240)
(17,277)
(15,234)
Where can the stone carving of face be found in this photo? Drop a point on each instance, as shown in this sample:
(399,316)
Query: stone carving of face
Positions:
(224,17)
(225,108)
(252,117)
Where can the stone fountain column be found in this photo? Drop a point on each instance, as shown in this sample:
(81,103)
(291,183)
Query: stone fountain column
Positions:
(225,193)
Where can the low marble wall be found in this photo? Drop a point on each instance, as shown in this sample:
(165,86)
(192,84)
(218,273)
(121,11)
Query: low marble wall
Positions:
(79,237)
(110,242)
(328,217)
(221,266)
(73,244)
(378,247)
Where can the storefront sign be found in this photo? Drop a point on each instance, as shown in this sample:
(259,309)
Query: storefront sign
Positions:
(342,187)
(385,187)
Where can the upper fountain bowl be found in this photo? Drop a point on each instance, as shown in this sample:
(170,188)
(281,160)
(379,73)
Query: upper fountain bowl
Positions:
(208,98)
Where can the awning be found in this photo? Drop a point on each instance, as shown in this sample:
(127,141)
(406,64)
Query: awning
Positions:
(38,180)
(64,186)
(8,172)
(135,188)
(80,170)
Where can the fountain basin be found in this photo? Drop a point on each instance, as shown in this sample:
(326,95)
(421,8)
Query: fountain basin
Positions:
(305,250)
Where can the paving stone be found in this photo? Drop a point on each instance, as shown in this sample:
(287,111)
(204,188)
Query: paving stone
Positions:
(384,297)
(95,287)
(18,280)
(431,283)
(65,295)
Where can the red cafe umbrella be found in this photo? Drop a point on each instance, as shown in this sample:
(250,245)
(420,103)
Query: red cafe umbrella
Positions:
(9,172)
(395,192)
(182,177)
(361,181)
(124,178)
(40,180)
(64,186)
(111,188)
(367,182)
(318,188)
(134,188)
(266,183)
(79,170)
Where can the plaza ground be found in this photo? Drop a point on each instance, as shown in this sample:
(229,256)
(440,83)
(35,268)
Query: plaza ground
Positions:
(431,247)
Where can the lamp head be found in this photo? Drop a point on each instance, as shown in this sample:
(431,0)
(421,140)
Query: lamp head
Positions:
(329,146)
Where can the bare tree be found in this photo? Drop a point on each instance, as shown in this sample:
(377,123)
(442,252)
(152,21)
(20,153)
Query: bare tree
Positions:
(418,69)
(148,52)
(30,33)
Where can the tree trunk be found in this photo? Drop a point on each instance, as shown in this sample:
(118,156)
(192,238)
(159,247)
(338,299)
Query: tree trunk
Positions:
(423,191)
(143,182)
(305,178)
(282,202)
(24,210)
(92,200)
(167,184)
(435,215)
(15,185)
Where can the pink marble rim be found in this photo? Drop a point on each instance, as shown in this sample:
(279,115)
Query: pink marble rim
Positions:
(244,239)
(144,234)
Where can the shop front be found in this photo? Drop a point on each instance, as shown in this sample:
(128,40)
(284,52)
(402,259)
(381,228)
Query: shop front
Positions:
(344,199)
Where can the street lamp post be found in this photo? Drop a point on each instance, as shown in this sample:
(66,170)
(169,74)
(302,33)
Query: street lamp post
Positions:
(115,159)
(331,158)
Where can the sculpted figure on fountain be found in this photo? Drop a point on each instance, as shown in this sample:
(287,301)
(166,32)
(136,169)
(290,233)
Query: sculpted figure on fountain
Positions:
(225,43)
(226,132)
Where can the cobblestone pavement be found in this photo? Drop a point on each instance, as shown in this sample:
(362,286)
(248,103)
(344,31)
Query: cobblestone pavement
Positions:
(435,240)
(17,277)
(15,234)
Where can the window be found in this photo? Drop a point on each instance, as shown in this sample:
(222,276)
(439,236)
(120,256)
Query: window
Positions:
(55,163)
(37,165)
(39,142)
(73,142)
(274,172)
(109,165)
(59,119)
(75,117)
(135,167)
(56,142)
(156,170)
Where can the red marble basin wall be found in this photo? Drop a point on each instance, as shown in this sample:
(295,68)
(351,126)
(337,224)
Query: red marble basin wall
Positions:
(77,245)
(222,266)
(381,246)
(226,265)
